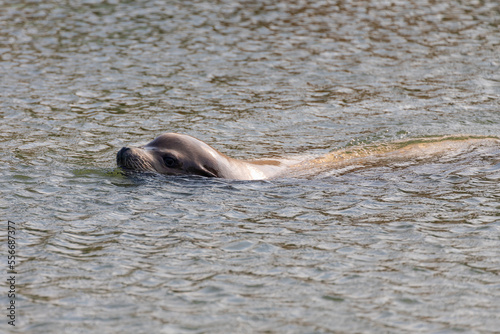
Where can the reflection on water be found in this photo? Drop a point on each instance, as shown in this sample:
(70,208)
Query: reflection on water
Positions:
(408,245)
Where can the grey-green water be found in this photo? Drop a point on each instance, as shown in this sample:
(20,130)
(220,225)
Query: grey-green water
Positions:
(403,247)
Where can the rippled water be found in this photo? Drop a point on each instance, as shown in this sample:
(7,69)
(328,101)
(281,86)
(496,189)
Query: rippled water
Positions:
(404,246)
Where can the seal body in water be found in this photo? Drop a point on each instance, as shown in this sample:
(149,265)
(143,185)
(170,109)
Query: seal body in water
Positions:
(178,154)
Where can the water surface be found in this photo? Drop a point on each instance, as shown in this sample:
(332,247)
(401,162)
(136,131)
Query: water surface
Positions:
(407,246)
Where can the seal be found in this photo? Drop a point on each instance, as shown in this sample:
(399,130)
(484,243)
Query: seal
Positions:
(179,154)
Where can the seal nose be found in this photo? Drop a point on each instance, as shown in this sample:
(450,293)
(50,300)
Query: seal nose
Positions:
(120,156)
(123,150)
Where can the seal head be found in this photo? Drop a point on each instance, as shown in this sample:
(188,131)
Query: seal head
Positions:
(178,154)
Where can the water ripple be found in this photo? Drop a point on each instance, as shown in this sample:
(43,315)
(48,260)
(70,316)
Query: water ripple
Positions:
(397,245)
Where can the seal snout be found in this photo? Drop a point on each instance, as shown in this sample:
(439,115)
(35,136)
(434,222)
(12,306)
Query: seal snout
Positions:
(123,150)
(121,156)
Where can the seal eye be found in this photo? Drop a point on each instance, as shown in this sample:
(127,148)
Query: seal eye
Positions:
(169,161)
